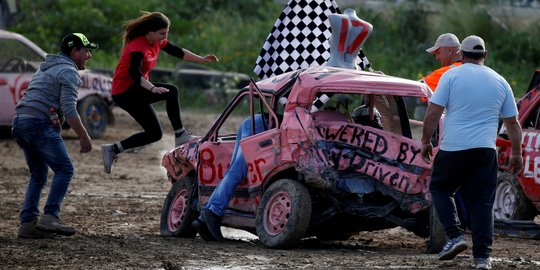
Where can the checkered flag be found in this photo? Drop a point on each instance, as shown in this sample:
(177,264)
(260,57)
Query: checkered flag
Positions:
(300,39)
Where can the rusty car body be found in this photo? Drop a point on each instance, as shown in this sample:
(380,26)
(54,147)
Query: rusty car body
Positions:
(317,172)
(518,196)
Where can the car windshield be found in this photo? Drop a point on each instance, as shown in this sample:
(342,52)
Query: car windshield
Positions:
(10,49)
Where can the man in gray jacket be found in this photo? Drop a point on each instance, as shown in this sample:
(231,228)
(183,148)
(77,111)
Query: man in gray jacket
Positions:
(51,96)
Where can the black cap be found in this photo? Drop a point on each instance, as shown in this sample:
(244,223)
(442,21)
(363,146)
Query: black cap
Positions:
(77,40)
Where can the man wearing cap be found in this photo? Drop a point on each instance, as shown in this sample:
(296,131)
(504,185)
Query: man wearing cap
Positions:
(446,51)
(474,96)
(51,96)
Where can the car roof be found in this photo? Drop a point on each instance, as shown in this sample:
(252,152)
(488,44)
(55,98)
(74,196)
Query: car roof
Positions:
(313,80)
(275,84)
(11,35)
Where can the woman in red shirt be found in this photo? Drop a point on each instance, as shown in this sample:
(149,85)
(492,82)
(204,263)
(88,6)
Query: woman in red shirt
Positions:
(144,38)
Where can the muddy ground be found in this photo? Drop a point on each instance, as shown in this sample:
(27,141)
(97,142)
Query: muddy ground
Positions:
(117,218)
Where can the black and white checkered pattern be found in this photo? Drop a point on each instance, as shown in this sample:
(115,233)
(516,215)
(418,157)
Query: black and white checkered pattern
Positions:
(319,101)
(299,39)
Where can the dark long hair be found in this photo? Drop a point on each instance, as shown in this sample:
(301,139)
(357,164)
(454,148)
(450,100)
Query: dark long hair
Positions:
(147,22)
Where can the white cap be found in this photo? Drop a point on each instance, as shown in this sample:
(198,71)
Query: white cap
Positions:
(444,40)
(473,44)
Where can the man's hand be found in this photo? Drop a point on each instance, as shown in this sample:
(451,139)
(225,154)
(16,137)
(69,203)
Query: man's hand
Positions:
(427,152)
(84,139)
(513,129)
(86,144)
(515,164)
(431,121)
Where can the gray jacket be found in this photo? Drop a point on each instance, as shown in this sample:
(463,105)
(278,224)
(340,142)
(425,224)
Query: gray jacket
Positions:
(55,85)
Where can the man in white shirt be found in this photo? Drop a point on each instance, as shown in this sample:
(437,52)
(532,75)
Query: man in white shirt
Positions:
(474,96)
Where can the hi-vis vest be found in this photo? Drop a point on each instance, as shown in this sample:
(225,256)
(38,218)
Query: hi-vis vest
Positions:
(432,80)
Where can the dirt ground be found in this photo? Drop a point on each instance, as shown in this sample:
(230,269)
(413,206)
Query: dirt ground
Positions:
(117,220)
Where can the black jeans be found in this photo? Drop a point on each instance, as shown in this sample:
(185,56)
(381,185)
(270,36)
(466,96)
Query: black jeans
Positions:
(474,172)
(137,102)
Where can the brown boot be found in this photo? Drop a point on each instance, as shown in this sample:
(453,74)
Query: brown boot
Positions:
(29,230)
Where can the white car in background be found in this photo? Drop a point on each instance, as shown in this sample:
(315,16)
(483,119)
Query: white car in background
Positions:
(19,60)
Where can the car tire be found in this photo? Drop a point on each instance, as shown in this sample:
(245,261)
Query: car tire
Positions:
(94,115)
(177,213)
(283,215)
(510,200)
(437,238)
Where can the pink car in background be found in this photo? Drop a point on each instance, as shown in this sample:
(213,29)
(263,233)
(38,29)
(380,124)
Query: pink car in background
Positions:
(19,60)
(326,172)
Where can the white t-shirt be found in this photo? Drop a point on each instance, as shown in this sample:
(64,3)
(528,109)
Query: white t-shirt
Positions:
(474,96)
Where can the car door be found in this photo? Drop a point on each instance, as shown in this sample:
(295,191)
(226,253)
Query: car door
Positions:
(216,152)
(18,62)
(530,178)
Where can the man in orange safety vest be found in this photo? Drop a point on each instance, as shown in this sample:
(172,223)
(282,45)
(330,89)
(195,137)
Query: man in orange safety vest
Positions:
(447,51)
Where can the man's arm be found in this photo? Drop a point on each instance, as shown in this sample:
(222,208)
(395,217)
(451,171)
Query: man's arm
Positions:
(513,129)
(84,139)
(431,121)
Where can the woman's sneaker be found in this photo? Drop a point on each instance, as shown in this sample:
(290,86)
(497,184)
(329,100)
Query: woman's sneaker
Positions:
(109,157)
(453,247)
(182,138)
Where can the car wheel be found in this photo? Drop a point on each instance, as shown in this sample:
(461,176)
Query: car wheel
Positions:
(510,201)
(94,116)
(177,213)
(437,238)
(284,213)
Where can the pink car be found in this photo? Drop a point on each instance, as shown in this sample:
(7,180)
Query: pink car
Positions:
(325,170)
(19,60)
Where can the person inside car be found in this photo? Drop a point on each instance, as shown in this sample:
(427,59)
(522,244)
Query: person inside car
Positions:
(361,116)
(209,223)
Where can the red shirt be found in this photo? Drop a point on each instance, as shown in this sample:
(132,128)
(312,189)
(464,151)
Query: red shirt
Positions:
(121,79)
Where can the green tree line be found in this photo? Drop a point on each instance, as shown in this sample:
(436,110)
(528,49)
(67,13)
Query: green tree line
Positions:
(236,30)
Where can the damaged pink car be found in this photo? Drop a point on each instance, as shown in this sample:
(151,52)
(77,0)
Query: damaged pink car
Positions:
(349,164)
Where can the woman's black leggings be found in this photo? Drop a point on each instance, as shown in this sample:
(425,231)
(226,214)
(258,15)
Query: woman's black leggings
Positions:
(137,102)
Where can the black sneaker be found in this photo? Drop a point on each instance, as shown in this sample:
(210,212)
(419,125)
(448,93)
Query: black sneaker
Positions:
(453,247)
(202,229)
(50,223)
(213,223)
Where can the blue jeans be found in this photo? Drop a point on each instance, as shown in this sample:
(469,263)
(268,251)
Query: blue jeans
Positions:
(474,173)
(43,147)
(219,200)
